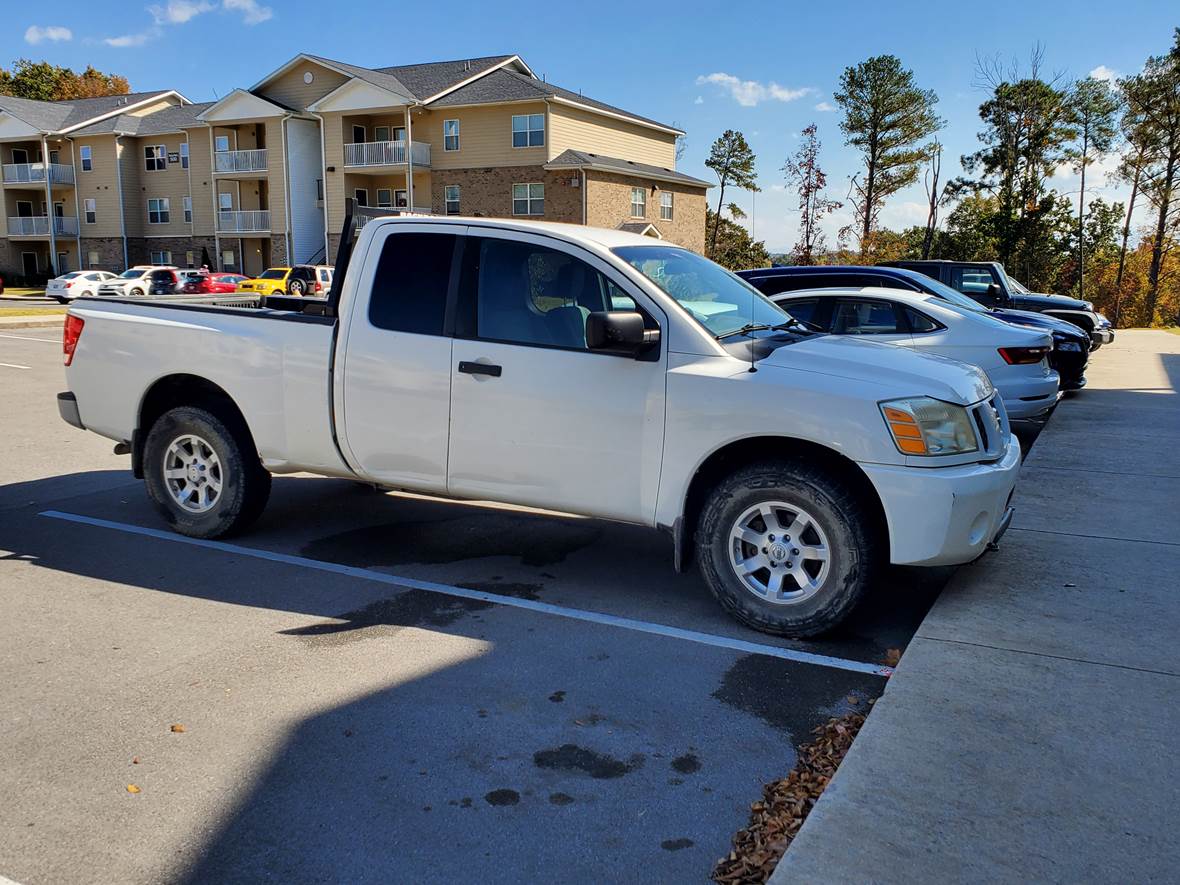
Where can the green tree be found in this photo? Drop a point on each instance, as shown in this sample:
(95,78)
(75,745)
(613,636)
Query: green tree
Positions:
(734,247)
(1093,108)
(886,117)
(41,81)
(804,174)
(733,161)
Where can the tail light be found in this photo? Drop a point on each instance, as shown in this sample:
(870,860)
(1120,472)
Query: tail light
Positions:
(319,287)
(71,332)
(1023,356)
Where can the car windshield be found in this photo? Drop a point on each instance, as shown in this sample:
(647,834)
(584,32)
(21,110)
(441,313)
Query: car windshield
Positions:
(275,273)
(1018,287)
(132,274)
(719,300)
(954,296)
(71,275)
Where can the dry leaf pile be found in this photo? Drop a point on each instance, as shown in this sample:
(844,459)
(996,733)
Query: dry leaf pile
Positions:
(785,804)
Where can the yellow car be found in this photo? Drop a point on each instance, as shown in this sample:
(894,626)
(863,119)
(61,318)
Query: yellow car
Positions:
(272,281)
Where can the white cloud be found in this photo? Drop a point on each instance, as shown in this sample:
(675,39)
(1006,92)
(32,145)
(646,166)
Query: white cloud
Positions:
(825,107)
(252,13)
(1102,72)
(700,100)
(36,34)
(749,93)
(177,12)
(127,41)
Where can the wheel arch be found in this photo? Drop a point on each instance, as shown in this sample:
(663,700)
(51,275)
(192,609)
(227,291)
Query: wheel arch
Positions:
(171,391)
(738,453)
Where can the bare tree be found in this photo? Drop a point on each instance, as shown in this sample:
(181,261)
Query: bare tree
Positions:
(933,195)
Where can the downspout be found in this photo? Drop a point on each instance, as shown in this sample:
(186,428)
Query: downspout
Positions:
(324,184)
(77,206)
(52,224)
(584,216)
(217,264)
(119,184)
(409,161)
(192,214)
(286,187)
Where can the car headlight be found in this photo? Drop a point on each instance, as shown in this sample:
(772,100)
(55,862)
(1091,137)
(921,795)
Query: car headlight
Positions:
(922,425)
(1071,346)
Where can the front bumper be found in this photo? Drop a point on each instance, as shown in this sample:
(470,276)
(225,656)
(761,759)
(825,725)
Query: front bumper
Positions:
(945,515)
(1100,336)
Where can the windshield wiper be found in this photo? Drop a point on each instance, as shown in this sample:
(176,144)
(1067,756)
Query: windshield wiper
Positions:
(764,327)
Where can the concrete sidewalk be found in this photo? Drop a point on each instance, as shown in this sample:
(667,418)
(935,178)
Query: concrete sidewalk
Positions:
(43,321)
(1032,730)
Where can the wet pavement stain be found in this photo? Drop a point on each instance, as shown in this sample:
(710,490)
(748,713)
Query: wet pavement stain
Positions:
(686,764)
(413,608)
(535,540)
(515,590)
(676,844)
(792,698)
(560,799)
(502,797)
(570,757)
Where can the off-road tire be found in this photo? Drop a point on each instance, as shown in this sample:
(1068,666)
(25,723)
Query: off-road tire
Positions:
(245,482)
(847,522)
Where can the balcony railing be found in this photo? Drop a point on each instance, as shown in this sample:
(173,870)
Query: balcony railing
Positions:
(38,226)
(247,221)
(365,214)
(385,153)
(240,161)
(34,173)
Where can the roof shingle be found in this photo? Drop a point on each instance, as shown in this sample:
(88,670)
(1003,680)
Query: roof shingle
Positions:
(571,159)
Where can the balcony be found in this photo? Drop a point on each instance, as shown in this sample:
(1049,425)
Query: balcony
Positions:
(364,214)
(38,226)
(239,161)
(385,153)
(34,173)
(244,222)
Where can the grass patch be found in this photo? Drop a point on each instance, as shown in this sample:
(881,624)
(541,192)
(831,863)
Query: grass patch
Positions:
(31,311)
(1175,330)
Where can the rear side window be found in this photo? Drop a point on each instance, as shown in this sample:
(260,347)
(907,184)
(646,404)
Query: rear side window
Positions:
(801,309)
(410,287)
(864,318)
(919,322)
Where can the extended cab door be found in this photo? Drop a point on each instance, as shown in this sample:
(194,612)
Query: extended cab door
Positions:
(393,400)
(536,417)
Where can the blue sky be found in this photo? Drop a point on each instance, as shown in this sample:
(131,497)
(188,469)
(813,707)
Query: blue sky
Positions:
(767,69)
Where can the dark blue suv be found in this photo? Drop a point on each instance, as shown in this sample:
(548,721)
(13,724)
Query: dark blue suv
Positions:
(1071,345)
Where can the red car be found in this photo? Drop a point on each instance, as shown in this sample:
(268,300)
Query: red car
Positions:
(202,282)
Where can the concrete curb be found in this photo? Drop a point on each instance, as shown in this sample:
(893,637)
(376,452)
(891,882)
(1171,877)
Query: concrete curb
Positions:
(31,322)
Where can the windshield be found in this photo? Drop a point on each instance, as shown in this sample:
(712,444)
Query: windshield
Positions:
(1018,287)
(275,273)
(70,275)
(132,274)
(717,299)
(954,296)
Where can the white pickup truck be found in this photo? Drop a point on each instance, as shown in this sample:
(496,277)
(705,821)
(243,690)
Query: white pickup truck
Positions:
(562,367)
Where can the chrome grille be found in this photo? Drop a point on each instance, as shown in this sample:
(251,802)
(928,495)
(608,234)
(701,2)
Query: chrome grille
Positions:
(991,422)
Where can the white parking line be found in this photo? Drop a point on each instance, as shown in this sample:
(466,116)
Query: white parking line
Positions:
(13,366)
(27,338)
(560,611)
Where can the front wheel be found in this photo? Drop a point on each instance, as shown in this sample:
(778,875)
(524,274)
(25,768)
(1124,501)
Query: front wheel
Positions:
(203,473)
(136,293)
(786,549)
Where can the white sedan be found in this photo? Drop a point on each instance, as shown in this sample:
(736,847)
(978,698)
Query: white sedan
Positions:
(76,284)
(1015,358)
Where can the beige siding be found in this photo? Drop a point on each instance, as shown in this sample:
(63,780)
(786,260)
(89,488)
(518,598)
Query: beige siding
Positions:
(201,180)
(276,182)
(586,131)
(134,204)
(485,136)
(334,181)
(291,91)
(99,184)
(172,183)
(153,107)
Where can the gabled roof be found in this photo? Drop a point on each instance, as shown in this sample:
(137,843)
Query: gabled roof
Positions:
(168,120)
(63,116)
(644,228)
(429,79)
(380,79)
(571,159)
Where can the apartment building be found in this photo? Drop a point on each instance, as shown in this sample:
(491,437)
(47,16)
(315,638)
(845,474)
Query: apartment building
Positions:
(260,177)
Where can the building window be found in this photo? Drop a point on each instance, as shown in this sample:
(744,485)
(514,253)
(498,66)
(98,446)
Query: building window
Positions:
(451,199)
(384,197)
(528,130)
(184,155)
(360,196)
(319,190)
(89,212)
(188,210)
(155,157)
(92,258)
(227,259)
(665,205)
(225,202)
(450,135)
(164,257)
(380,133)
(84,155)
(221,143)
(189,258)
(158,211)
(528,199)
(638,202)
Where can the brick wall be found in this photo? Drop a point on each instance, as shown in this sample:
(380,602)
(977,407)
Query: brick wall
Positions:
(608,199)
(139,249)
(110,253)
(487,193)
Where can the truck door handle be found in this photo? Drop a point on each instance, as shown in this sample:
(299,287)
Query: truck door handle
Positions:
(479,369)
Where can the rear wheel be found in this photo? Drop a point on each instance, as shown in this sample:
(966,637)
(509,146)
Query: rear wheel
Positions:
(297,287)
(786,549)
(203,473)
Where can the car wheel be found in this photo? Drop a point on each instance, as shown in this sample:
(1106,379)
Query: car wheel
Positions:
(787,549)
(136,293)
(297,287)
(203,474)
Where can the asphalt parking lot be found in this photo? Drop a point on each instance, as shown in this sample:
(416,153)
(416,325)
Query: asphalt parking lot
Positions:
(375,687)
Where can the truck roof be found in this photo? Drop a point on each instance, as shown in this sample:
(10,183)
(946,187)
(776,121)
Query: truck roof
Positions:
(579,233)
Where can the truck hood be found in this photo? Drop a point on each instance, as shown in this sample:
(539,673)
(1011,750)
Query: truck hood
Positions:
(1041,301)
(1033,319)
(901,370)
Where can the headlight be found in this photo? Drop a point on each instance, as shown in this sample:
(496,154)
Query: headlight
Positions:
(925,426)
(1072,346)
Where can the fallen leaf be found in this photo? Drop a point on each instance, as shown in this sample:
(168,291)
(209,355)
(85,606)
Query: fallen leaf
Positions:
(892,657)
(177,728)
(134,760)
(131,788)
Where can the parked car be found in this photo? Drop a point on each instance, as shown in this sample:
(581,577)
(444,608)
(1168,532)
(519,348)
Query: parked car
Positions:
(790,463)
(301,279)
(1103,328)
(202,282)
(987,283)
(141,280)
(1071,345)
(1015,358)
(76,284)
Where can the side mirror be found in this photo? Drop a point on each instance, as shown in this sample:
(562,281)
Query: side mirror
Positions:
(996,294)
(618,331)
